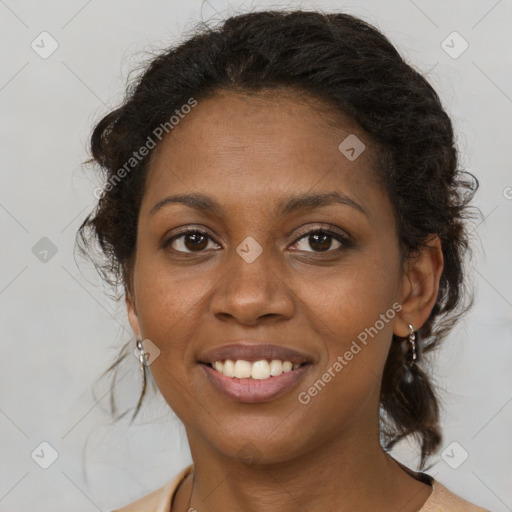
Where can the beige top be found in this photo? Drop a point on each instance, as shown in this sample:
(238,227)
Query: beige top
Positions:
(440,500)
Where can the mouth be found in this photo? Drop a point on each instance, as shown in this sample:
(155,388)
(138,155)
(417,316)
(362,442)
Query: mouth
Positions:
(254,373)
(253,390)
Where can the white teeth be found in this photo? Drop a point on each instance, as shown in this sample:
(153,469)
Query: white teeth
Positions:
(228,369)
(259,370)
(242,369)
(276,367)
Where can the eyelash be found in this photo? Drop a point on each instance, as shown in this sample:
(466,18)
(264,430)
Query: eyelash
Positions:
(344,240)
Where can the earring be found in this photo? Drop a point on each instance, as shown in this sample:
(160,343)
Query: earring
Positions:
(142,356)
(142,360)
(412,353)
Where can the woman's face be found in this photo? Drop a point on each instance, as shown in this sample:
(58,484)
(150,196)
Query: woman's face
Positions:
(257,277)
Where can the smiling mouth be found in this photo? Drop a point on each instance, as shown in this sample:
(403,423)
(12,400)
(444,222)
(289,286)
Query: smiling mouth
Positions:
(257,370)
(253,382)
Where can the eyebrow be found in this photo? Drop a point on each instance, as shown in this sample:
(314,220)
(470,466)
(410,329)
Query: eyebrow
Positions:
(301,202)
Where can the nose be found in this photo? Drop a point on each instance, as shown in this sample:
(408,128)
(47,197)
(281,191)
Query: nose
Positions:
(251,292)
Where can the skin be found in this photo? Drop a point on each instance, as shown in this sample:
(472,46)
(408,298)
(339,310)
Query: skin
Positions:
(248,153)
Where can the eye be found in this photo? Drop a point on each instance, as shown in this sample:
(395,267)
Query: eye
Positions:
(321,240)
(192,240)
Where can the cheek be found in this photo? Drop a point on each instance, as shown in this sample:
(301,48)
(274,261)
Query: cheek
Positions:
(160,304)
(170,304)
(356,346)
(166,308)
(353,296)
(166,296)
(353,310)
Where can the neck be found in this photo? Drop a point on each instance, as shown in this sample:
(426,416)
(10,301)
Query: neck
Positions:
(352,473)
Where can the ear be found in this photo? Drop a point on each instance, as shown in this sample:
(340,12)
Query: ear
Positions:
(420,286)
(132,316)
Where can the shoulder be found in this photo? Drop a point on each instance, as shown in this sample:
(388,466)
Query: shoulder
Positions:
(158,500)
(442,499)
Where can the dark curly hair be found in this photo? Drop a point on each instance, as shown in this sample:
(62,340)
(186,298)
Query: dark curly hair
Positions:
(353,68)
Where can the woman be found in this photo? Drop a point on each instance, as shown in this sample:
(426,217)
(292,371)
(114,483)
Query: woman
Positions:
(284,212)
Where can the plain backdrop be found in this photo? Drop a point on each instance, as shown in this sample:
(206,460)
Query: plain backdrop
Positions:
(64,65)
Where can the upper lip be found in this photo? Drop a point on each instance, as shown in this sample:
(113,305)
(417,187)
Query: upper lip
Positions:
(250,351)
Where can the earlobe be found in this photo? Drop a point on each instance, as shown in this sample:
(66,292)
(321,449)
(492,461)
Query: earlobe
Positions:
(133,317)
(420,286)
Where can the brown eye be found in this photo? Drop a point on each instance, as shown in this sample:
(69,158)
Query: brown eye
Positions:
(189,241)
(320,241)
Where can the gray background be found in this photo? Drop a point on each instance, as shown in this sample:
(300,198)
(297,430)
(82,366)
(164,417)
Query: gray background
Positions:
(60,330)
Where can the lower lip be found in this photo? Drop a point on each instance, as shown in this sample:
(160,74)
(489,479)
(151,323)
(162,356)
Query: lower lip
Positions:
(254,390)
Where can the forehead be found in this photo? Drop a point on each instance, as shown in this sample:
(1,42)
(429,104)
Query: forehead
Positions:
(254,149)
